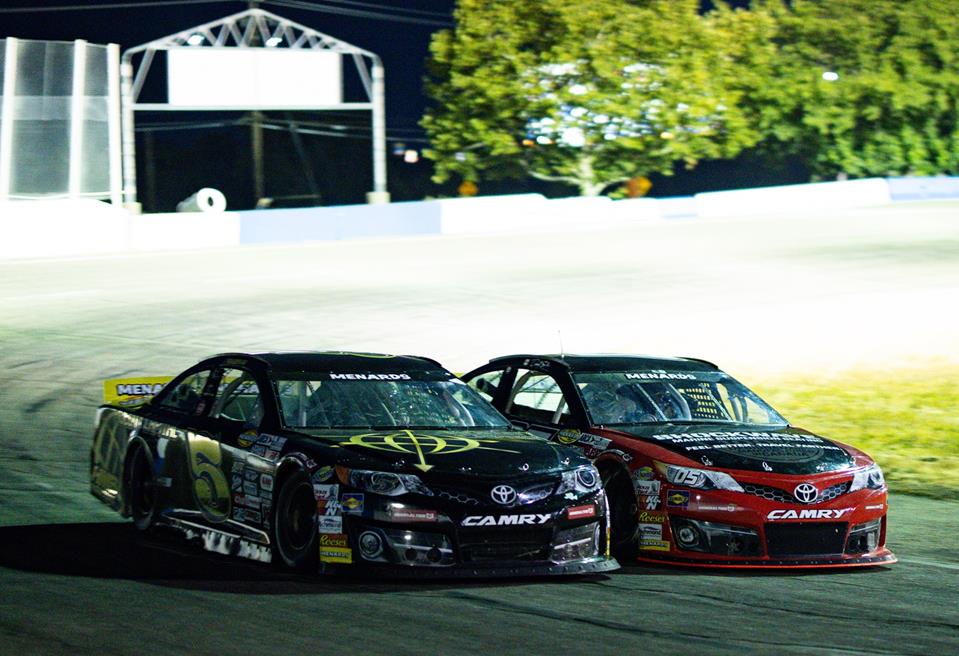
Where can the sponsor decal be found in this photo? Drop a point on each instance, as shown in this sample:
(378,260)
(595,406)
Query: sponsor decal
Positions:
(649,502)
(237,483)
(654,545)
(249,502)
(650,532)
(648,488)
(594,441)
(328,507)
(568,435)
(250,488)
(246,440)
(334,540)
(237,467)
(239,514)
(644,474)
(659,374)
(336,555)
(137,389)
(712,507)
(370,377)
(677,498)
(579,512)
(651,517)
(875,507)
(625,457)
(271,441)
(505,520)
(806,513)
(250,474)
(352,502)
(328,524)
(766,466)
(322,474)
(266,482)
(132,391)
(421,445)
(325,492)
(536,363)
(412,515)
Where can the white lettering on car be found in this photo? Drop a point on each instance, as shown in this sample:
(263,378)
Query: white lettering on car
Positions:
(505,520)
(775,515)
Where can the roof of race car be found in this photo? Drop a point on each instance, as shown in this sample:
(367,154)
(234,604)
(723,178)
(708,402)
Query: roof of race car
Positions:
(616,362)
(341,361)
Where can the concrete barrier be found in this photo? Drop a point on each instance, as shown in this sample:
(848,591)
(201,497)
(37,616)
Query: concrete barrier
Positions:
(342,222)
(793,198)
(923,188)
(183,231)
(53,228)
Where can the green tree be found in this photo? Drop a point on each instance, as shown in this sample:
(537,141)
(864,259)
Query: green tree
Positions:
(587,93)
(858,87)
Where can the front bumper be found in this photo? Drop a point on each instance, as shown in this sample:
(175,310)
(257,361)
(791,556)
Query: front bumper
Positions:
(722,529)
(596,565)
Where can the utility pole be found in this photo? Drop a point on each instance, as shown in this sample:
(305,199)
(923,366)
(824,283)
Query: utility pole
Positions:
(256,142)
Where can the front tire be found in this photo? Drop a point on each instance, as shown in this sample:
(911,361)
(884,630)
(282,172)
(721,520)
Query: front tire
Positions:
(295,530)
(141,489)
(622,513)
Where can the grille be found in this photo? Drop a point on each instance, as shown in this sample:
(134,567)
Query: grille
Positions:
(782,496)
(819,539)
(472,493)
(477,545)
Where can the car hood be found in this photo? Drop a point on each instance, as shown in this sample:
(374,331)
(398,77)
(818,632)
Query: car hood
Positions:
(493,453)
(785,450)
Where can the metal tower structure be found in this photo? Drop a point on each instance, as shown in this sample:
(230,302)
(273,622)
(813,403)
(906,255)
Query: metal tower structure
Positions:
(253,30)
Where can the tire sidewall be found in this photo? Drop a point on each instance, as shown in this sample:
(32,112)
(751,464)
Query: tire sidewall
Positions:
(622,513)
(285,554)
(140,472)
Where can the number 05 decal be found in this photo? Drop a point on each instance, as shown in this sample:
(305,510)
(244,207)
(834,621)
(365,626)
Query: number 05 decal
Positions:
(210,487)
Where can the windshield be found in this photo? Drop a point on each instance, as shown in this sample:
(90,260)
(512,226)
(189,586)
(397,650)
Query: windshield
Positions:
(650,397)
(319,402)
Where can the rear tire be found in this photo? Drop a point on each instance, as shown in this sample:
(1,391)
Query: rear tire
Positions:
(141,489)
(622,513)
(294,524)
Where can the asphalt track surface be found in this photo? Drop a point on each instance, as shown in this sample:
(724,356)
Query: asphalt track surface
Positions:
(865,288)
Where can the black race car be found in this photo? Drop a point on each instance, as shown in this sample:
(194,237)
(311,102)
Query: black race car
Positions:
(331,461)
(698,469)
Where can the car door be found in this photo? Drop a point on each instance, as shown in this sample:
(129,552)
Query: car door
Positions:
(170,426)
(234,422)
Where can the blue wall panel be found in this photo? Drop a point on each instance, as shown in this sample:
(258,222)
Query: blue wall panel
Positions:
(923,188)
(343,222)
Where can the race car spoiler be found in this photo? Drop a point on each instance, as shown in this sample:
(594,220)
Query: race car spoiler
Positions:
(129,392)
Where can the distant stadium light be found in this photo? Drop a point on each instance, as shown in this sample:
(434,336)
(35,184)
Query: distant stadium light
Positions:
(830,76)
(195,39)
(274,41)
(411,156)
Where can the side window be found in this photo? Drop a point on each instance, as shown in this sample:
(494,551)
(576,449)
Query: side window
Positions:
(186,395)
(487,384)
(238,398)
(537,398)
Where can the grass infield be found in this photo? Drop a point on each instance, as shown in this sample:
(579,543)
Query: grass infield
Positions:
(905,418)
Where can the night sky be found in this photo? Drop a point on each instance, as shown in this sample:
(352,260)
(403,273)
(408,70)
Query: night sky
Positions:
(173,163)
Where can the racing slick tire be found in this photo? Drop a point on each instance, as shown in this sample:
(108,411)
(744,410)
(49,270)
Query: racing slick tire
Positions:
(622,512)
(295,534)
(141,488)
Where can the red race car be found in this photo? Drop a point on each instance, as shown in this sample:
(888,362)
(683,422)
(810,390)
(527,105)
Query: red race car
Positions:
(698,469)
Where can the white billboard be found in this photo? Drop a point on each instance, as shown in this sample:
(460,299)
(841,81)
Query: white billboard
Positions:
(252,78)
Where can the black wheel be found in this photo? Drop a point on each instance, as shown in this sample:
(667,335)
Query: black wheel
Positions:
(141,489)
(294,522)
(622,512)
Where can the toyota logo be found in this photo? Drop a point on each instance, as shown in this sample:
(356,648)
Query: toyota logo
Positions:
(806,493)
(503,495)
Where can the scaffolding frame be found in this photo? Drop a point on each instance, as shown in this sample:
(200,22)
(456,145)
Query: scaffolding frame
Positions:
(253,28)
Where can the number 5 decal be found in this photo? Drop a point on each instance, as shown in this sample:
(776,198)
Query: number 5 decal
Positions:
(210,487)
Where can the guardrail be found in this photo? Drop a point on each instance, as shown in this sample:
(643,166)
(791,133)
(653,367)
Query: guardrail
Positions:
(31,229)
